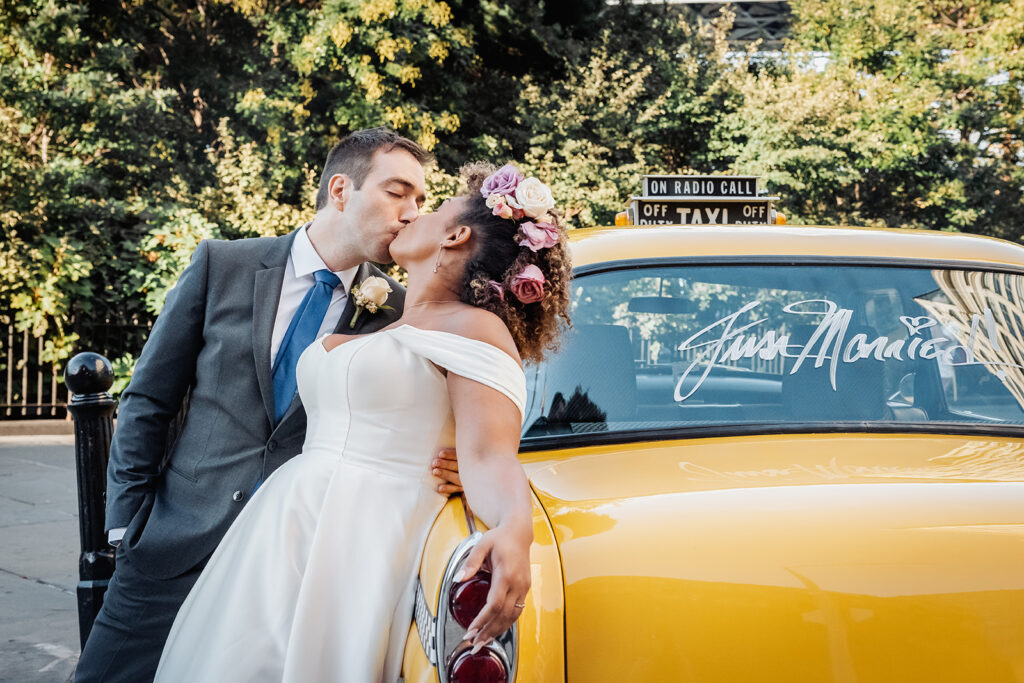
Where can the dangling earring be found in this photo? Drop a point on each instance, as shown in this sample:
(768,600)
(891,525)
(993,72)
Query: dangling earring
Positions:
(437,264)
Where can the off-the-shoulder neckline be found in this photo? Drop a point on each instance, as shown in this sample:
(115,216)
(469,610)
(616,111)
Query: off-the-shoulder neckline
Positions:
(320,342)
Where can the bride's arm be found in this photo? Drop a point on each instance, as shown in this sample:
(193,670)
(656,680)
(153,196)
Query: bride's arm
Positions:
(487,441)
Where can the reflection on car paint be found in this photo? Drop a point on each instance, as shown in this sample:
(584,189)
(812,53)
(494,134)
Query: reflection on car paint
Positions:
(978,460)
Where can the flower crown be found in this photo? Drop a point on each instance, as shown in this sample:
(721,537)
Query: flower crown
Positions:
(510,195)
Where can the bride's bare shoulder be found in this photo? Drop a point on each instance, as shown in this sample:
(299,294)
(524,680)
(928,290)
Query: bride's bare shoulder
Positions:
(332,341)
(476,323)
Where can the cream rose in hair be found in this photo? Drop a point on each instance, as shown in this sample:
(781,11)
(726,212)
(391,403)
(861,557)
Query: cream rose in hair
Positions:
(534,197)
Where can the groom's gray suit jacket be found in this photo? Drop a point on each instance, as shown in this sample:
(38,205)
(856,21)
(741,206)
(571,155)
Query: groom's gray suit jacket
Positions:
(212,343)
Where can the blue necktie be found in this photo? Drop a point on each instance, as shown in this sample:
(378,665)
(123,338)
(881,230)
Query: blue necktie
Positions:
(301,332)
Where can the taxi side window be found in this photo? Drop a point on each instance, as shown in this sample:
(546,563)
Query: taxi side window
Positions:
(676,346)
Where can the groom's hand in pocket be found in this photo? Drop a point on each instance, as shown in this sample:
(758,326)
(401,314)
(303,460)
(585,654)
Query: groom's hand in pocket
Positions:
(446,466)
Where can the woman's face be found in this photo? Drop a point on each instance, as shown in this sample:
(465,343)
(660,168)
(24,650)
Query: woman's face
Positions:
(419,240)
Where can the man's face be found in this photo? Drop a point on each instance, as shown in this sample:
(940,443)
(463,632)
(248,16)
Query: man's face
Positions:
(389,199)
(420,240)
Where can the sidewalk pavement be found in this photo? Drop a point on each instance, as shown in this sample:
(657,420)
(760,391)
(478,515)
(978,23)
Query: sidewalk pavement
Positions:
(35,427)
(39,561)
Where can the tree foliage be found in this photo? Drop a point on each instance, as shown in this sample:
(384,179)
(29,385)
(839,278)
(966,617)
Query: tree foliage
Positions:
(132,129)
(911,115)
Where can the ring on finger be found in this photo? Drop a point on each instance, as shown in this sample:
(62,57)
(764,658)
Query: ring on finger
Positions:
(520,605)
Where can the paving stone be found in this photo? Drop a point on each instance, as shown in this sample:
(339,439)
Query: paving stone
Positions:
(39,562)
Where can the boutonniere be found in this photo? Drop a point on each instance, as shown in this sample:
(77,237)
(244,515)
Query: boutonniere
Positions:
(370,294)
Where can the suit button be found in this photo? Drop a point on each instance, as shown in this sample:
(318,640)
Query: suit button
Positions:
(237,496)
(271,446)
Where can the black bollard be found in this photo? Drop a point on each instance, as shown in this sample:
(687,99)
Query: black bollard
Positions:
(89,376)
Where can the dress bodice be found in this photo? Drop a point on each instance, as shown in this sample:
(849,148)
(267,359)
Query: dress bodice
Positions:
(380,401)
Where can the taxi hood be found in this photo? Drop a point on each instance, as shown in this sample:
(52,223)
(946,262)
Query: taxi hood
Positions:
(791,557)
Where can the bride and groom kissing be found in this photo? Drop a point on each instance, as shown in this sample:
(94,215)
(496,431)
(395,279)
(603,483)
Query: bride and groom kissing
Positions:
(315,509)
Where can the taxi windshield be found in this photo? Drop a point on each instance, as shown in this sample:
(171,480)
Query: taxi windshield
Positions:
(670,348)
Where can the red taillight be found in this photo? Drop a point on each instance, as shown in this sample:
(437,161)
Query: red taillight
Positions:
(468,598)
(483,667)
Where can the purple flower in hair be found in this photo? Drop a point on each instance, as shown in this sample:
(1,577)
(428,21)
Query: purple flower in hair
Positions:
(503,181)
(497,289)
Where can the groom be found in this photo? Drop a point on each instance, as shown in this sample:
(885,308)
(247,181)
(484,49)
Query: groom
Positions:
(228,339)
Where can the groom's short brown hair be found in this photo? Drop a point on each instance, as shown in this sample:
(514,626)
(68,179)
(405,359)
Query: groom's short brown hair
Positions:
(353,156)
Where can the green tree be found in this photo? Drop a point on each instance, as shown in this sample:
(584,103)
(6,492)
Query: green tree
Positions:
(81,150)
(643,95)
(132,130)
(911,115)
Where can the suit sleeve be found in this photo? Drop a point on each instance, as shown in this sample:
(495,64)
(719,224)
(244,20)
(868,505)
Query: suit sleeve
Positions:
(158,386)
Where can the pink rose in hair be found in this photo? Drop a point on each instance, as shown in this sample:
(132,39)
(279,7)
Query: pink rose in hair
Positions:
(528,284)
(537,236)
(502,209)
(503,181)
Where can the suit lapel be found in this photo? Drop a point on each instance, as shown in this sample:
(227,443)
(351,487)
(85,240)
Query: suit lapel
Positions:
(266,296)
(345,321)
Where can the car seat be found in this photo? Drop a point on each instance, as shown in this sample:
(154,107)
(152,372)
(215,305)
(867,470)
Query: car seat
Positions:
(592,378)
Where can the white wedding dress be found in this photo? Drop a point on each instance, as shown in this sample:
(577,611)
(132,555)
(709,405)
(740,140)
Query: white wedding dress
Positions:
(314,580)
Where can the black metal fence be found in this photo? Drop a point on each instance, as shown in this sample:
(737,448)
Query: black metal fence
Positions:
(31,388)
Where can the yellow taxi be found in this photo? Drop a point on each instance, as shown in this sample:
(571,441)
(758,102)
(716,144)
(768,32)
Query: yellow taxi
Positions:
(764,453)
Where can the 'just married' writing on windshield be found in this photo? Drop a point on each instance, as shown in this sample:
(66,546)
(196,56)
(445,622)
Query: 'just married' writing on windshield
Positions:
(724,341)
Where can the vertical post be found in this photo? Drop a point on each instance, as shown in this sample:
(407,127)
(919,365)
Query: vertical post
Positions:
(39,376)
(53,391)
(24,373)
(10,368)
(88,377)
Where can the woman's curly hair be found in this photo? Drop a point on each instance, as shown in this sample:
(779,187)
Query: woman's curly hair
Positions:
(535,327)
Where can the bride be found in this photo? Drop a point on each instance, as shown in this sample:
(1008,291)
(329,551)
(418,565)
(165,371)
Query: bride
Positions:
(314,580)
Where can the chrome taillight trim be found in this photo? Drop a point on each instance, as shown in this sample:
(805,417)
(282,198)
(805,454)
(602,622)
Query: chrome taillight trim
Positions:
(448,635)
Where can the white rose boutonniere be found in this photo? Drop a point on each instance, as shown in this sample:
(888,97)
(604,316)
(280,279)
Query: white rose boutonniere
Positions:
(370,294)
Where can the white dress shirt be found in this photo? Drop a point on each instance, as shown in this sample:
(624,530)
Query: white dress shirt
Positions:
(303,261)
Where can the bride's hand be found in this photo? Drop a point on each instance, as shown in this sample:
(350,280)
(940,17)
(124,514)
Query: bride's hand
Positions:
(508,549)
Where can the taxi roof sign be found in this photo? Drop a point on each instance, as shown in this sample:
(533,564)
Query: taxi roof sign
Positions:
(680,186)
(693,199)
